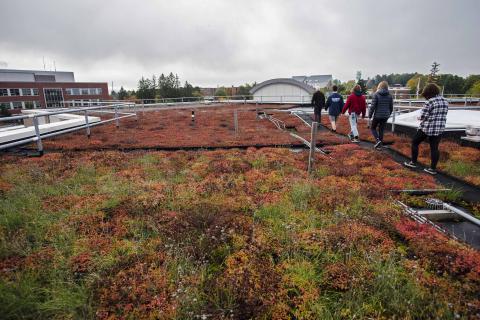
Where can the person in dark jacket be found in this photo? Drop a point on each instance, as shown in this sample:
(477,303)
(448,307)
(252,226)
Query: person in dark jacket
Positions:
(433,118)
(334,106)
(356,104)
(318,102)
(380,111)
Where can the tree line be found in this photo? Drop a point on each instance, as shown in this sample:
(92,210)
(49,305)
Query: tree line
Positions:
(450,83)
(169,86)
(161,87)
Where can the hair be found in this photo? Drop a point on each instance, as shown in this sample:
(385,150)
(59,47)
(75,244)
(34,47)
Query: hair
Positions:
(357,88)
(335,88)
(382,85)
(431,90)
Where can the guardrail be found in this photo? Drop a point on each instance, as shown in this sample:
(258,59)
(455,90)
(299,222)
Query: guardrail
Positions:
(87,126)
(407,108)
(244,99)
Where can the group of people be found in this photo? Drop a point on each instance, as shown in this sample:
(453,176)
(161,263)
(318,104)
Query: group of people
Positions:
(433,117)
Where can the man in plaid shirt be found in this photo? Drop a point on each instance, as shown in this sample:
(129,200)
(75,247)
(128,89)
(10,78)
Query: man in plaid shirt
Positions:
(433,118)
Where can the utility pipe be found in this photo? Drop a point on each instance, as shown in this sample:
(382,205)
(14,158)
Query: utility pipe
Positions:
(462,213)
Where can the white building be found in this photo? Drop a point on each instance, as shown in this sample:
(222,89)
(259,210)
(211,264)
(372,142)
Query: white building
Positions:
(284,90)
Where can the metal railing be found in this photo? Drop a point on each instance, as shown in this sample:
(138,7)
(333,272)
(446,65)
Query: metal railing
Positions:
(38,137)
(398,109)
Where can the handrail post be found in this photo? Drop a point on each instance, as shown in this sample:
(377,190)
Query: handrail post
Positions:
(87,124)
(393,120)
(135,109)
(313,145)
(465,101)
(39,138)
(235,120)
(117,122)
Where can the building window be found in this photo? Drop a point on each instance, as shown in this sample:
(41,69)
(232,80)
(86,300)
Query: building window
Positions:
(44,78)
(84,91)
(29,105)
(76,91)
(35,91)
(26,92)
(4,105)
(93,91)
(3,92)
(53,98)
(37,104)
(99,91)
(17,104)
(69,91)
(14,92)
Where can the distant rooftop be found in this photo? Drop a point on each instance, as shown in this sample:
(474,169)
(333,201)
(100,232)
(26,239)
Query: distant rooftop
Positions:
(14,75)
(316,81)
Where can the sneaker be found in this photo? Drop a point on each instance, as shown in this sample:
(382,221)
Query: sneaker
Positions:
(378,145)
(430,171)
(410,164)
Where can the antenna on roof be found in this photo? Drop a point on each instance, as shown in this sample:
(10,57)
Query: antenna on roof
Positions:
(43,62)
(54,66)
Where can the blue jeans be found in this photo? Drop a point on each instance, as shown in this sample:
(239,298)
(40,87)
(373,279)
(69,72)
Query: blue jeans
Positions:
(353,118)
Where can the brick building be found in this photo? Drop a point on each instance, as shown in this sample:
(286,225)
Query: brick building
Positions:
(30,89)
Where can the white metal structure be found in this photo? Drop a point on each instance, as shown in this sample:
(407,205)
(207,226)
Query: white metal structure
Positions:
(13,75)
(289,90)
(46,124)
(68,121)
(456,119)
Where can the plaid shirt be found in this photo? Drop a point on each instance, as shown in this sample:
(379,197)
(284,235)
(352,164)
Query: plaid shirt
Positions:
(434,116)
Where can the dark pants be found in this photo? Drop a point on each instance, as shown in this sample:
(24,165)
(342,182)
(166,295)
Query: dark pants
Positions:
(434,142)
(380,123)
(317,114)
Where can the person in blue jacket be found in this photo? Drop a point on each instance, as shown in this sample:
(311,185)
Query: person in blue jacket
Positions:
(334,106)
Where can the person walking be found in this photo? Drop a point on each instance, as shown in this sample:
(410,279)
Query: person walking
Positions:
(318,102)
(380,110)
(356,104)
(433,118)
(334,106)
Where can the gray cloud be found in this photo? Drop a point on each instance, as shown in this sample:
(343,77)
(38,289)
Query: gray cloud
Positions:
(224,42)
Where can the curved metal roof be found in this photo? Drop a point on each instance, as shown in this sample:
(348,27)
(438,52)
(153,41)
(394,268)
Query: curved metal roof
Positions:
(290,81)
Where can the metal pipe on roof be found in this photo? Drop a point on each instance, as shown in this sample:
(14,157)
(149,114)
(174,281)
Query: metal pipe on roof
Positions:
(462,213)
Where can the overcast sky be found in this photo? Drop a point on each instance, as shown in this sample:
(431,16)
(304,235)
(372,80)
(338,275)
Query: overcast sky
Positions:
(230,42)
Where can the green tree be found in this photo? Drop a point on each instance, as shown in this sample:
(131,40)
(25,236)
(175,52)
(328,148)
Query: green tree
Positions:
(187,90)
(122,93)
(470,81)
(221,92)
(475,89)
(347,87)
(146,90)
(433,77)
(363,85)
(413,83)
(451,83)
(244,90)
